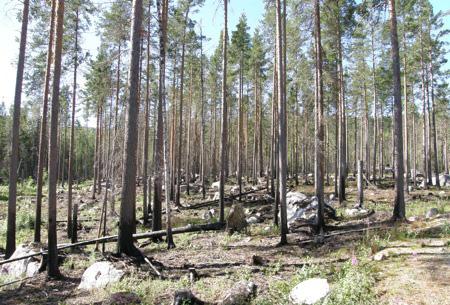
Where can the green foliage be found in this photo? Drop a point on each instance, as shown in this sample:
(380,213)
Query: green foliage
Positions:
(353,285)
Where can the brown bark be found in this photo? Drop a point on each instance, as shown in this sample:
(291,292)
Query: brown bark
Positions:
(14,155)
(128,195)
(43,143)
(399,208)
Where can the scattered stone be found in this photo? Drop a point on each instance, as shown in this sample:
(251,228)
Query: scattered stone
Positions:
(24,267)
(216,196)
(236,221)
(240,294)
(332,197)
(215,185)
(99,275)
(357,212)
(257,260)
(379,256)
(410,188)
(297,198)
(253,220)
(235,190)
(413,218)
(185,296)
(309,291)
(431,213)
(122,298)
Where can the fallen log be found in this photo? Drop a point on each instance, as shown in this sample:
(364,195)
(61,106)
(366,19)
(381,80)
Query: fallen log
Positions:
(216,201)
(155,234)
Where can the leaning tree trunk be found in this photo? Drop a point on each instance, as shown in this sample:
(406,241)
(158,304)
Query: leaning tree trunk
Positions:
(43,131)
(399,208)
(14,161)
(52,264)
(128,195)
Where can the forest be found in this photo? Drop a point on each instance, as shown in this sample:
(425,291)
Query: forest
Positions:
(300,160)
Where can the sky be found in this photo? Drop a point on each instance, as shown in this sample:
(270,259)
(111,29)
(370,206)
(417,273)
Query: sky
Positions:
(210,16)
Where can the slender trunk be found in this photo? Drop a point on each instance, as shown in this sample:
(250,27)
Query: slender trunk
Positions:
(180,139)
(116,114)
(375,115)
(146,123)
(405,116)
(52,264)
(43,132)
(433,124)
(72,133)
(319,132)
(224,123)
(399,208)
(202,133)
(14,159)
(282,147)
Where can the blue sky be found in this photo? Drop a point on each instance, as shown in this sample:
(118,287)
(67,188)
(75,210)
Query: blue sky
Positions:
(210,16)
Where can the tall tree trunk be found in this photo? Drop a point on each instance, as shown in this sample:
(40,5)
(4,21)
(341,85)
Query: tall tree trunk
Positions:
(433,124)
(341,127)
(319,132)
(145,183)
(414,139)
(405,116)
(72,133)
(52,264)
(282,145)
(180,130)
(116,114)
(375,115)
(128,195)
(399,208)
(240,128)
(14,159)
(424,121)
(202,133)
(163,15)
(224,119)
(43,143)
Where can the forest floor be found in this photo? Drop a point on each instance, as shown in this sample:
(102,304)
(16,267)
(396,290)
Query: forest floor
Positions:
(415,267)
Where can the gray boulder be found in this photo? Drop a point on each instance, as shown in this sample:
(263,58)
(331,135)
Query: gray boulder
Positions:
(100,275)
(25,267)
(309,291)
(240,294)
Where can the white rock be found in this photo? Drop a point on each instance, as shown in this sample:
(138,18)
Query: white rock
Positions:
(215,185)
(252,220)
(216,196)
(379,256)
(24,267)
(99,275)
(355,212)
(309,291)
(295,197)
